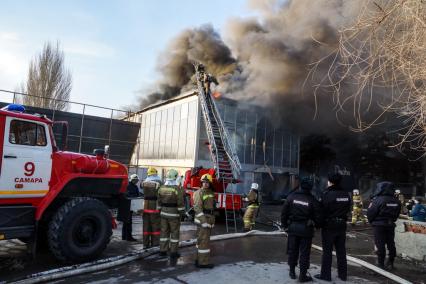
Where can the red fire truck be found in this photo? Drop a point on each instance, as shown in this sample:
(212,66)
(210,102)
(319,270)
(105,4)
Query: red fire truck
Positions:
(224,201)
(54,196)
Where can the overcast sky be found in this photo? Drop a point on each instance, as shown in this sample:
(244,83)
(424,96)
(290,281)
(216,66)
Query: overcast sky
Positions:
(111,47)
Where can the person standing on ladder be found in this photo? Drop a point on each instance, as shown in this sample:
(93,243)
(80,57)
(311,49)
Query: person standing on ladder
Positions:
(252,208)
(171,206)
(206,78)
(204,205)
(151,215)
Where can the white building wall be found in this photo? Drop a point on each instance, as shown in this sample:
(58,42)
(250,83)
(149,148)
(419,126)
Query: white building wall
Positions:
(248,129)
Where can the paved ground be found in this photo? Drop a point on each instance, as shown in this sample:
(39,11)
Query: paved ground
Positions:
(246,260)
(257,257)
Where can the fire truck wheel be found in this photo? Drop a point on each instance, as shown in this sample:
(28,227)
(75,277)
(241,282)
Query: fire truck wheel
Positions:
(80,230)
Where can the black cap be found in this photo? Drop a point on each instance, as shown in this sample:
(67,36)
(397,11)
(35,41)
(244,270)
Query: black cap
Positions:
(306,183)
(335,178)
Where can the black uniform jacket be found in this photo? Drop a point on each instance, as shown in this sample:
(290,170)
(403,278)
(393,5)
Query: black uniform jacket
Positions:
(125,203)
(384,209)
(335,204)
(301,212)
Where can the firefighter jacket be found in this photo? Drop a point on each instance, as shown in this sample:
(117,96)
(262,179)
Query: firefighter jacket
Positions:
(384,209)
(150,189)
(170,201)
(301,213)
(336,205)
(253,198)
(204,206)
(357,200)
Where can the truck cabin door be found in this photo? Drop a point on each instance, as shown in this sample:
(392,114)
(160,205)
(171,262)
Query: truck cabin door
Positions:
(26,159)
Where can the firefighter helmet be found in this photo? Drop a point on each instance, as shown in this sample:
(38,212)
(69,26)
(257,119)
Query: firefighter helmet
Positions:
(207,177)
(152,171)
(200,67)
(172,174)
(255,186)
(355,191)
(134,177)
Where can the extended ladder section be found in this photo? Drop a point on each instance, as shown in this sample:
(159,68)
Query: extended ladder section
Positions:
(224,157)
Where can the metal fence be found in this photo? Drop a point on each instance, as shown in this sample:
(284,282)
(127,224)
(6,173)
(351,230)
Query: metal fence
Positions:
(89,126)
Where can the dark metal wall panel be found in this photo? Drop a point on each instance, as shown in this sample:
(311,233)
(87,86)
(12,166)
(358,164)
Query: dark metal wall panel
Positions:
(96,133)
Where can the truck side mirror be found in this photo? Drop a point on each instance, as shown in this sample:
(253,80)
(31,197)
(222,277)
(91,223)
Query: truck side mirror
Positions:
(106,150)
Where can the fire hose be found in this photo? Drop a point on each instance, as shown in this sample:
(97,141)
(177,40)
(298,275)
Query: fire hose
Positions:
(363,263)
(107,263)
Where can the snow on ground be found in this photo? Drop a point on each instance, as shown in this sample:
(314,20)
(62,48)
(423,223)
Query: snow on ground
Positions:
(245,272)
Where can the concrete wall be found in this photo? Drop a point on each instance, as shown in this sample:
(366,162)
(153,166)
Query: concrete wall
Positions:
(408,243)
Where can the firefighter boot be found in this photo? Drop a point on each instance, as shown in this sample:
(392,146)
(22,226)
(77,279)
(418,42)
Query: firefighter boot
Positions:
(210,265)
(292,272)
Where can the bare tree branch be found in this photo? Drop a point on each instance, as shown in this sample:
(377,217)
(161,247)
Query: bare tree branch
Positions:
(381,61)
(48,78)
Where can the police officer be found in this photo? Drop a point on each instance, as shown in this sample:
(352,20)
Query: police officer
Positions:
(204,205)
(357,208)
(336,205)
(382,214)
(249,217)
(301,212)
(171,206)
(151,215)
(124,211)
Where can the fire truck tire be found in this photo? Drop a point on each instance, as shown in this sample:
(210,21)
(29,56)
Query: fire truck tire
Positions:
(80,230)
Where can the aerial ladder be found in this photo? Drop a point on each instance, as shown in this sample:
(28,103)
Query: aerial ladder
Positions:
(224,157)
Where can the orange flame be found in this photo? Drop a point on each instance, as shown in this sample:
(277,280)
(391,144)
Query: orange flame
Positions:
(217,95)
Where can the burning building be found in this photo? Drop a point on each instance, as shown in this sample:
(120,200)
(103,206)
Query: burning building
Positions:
(173,135)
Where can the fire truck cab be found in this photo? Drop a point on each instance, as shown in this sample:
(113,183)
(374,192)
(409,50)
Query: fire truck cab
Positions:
(54,197)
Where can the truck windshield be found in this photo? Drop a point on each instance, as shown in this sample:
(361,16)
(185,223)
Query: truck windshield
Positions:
(27,133)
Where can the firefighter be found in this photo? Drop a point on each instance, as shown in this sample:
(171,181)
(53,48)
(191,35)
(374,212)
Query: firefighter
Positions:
(357,208)
(204,205)
(124,212)
(171,206)
(252,208)
(336,205)
(301,213)
(151,215)
(206,78)
(382,214)
(401,199)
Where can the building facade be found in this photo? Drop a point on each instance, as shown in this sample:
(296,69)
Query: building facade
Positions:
(173,135)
